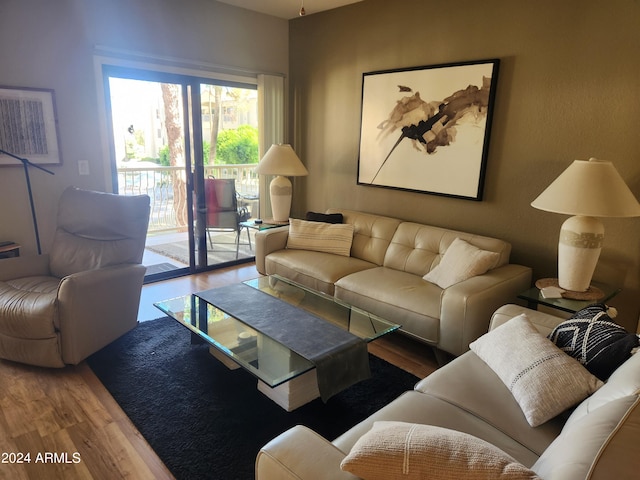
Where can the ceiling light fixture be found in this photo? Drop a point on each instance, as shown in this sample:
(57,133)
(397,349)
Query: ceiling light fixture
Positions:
(302,12)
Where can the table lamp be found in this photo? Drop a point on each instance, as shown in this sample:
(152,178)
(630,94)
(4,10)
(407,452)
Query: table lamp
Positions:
(282,161)
(586,189)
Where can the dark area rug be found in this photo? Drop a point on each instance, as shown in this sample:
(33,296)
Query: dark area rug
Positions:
(206,421)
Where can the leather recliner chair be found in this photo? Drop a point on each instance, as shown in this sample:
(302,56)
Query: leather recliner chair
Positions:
(59,308)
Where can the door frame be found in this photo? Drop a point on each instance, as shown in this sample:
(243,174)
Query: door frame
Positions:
(194,159)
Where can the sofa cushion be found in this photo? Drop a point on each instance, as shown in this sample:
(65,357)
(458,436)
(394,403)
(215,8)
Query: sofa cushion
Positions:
(595,340)
(424,408)
(405,299)
(418,248)
(320,237)
(541,377)
(491,401)
(317,270)
(398,450)
(460,262)
(29,307)
(601,445)
(372,234)
(112,232)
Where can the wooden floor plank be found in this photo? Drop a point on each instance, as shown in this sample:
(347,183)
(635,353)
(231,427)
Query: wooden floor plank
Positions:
(68,410)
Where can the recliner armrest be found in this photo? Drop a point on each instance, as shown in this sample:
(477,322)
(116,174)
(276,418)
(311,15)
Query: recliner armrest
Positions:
(300,453)
(267,241)
(27,266)
(97,306)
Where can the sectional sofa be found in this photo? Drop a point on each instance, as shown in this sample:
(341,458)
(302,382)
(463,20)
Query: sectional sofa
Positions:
(441,285)
(463,421)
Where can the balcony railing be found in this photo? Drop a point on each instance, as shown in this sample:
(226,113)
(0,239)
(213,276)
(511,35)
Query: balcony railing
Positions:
(157,182)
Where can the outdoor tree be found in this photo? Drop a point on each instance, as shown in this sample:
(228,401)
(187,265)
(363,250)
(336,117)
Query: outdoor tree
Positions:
(173,123)
(212,99)
(238,146)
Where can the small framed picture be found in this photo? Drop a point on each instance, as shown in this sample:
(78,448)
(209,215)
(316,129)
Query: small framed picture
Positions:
(28,126)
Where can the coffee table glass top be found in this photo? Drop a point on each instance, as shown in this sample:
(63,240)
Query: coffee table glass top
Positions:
(267,359)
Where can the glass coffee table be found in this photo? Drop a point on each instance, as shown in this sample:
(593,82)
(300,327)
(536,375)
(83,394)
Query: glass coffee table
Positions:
(283,375)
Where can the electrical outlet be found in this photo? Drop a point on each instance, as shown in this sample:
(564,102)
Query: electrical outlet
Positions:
(83,167)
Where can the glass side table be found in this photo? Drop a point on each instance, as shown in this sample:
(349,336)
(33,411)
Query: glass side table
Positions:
(534,297)
(260,226)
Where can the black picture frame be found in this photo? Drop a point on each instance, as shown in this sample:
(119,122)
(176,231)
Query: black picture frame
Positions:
(29,126)
(427,129)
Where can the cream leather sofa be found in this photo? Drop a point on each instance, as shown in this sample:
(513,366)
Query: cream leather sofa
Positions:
(596,440)
(383,275)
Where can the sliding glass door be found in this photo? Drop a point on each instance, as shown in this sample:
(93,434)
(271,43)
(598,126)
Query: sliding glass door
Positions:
(191,144)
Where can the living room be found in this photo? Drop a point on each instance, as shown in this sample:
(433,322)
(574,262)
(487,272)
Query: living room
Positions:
(575,57)
(567,89)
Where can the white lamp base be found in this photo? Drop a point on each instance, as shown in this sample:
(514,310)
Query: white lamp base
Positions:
(578,251)
(280,190)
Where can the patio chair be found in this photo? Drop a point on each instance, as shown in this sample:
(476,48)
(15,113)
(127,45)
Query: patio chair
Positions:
(223,213)
(59,308)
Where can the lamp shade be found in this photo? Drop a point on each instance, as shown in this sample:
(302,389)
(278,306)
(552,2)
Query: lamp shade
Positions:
(591,188)
(280,159)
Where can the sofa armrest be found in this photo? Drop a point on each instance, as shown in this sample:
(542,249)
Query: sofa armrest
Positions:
(267,241)
(28,266)
(544,322)
(466,307)
(97,306)
(300,453)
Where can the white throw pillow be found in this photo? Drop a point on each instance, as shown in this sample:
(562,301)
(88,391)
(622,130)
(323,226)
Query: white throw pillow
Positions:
(409,451)
(460,262)
(333,238)
(543,379)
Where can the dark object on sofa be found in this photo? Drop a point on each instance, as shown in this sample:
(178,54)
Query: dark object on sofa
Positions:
(593,338)
(324,217)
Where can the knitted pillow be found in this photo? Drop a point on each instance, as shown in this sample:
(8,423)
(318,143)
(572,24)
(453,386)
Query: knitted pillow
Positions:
(408,451)
(320,237)
(595,340)
(544,381)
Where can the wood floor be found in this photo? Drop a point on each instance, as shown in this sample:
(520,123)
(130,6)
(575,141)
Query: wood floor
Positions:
(71,427)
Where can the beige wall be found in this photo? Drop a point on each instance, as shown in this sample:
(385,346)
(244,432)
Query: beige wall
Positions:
(51,44)
(569,88)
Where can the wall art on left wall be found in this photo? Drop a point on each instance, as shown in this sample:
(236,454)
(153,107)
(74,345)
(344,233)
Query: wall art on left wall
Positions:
(28,126)
(427,129)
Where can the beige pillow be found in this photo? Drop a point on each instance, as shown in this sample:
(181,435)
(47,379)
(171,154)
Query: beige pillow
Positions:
(320,237)
(460,262)
(543,379)
(408,451)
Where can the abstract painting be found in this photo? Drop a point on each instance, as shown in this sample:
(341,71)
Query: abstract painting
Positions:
(426,129)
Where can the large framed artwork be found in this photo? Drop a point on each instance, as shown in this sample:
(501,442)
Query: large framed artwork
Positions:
(427,129)
(28,126)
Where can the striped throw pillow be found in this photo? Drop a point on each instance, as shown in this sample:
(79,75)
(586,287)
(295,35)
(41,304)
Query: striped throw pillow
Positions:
(320,237)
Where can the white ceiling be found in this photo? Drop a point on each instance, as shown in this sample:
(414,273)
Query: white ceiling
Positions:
(288,8)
